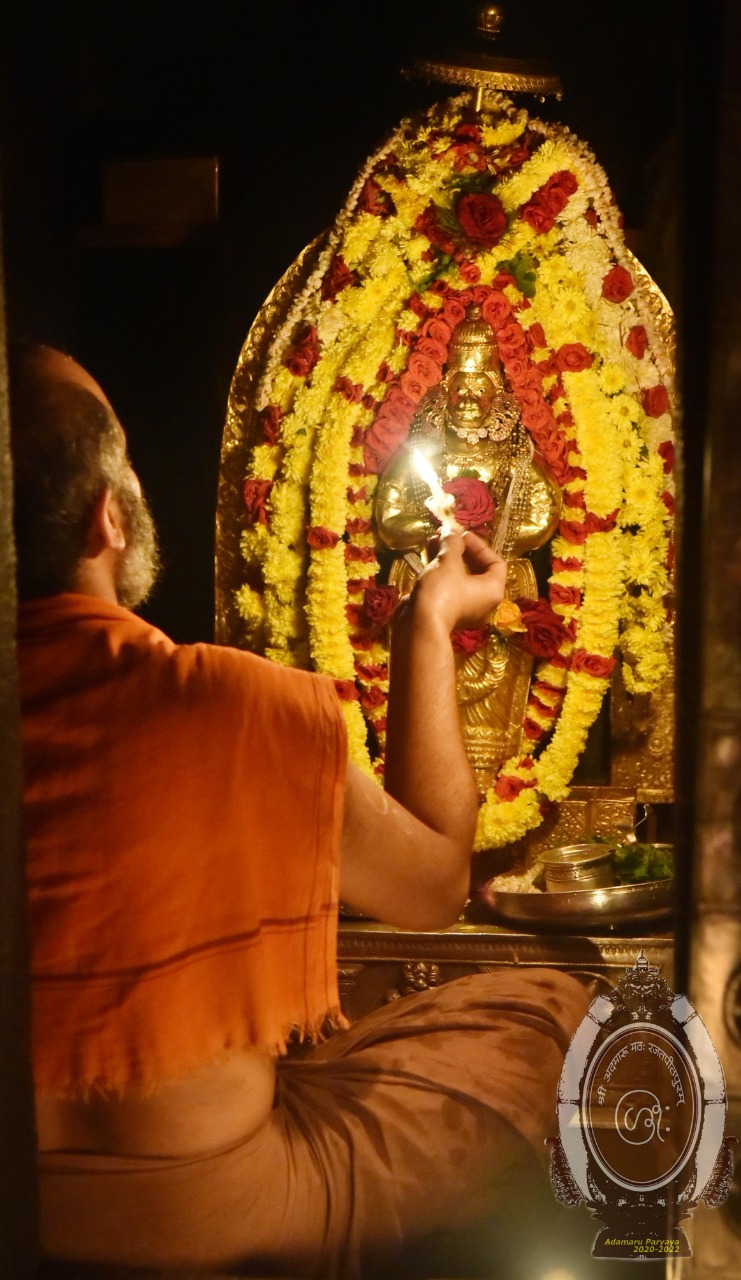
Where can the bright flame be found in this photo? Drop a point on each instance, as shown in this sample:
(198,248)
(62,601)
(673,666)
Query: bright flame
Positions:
(440,503)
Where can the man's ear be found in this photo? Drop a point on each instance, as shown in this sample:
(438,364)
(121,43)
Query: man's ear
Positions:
(106,531)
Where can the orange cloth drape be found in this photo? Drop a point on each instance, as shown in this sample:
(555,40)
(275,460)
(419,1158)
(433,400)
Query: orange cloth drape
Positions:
(183,814)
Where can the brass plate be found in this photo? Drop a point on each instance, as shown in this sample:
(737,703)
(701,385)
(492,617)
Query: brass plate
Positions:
(624,906)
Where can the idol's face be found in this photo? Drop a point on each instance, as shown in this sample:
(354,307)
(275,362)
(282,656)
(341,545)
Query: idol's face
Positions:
(471,397)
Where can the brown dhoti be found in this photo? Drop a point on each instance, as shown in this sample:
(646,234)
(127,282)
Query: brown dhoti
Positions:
(414,1120)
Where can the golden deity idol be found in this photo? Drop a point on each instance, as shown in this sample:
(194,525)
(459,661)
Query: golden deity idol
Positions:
(469,429)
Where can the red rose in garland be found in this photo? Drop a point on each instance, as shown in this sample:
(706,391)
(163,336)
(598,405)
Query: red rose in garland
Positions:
(497,310)
(270,419)
(256,495)
(482,218)
(572,357)
(508,787)
(303,355)
(592,664)
(545,631)
(379,605)
(388,430)
(428,224)
(637,341)
(474,505)
(338,277)
(373,199)
(319,537)
(655,401)
(617,284)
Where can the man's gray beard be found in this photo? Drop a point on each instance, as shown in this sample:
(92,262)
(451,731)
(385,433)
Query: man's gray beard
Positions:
(139,565)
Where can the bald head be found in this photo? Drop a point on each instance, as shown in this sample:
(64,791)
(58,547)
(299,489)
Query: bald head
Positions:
(68,450)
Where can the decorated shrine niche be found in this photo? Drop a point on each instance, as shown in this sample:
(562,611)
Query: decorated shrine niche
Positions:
(475,299)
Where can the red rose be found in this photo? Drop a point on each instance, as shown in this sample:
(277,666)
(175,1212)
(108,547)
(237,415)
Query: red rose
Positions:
(428,224)
(617,284)
(537,216)
(349,390)
(474,505)
(655,400)
(346,690)
(382,439)
(256,495)
(373,199)
(569,565)
(357,495)
(482,218)
(570,596)
(669,501)
(637,341)
(666,451)
(454,312)
(572,357)
(574,531)
(592,217)
(511,340)
(537,417)
(422,366)
(497,310)
(357,468)
(379,605)
(319,537)
(532,730)
(503,279)
(437,351)
(412,386)
(303,355)
(545,630)
(575,499)
(361,555)
(358,435)
(535,336)
(270,419)
(480,293)
(469,641)
(385,373)
(562,182)
(338,277)
(372,698)
(600,524)
(370,670)
(518,369)
(508,788)
(591,664)
(358,525)
(438,329)
(469,271)
(416,305)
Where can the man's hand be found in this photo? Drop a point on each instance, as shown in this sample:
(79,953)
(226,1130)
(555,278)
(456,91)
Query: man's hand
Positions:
(463,584)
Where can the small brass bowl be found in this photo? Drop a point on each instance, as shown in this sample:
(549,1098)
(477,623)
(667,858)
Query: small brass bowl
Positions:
(578,866)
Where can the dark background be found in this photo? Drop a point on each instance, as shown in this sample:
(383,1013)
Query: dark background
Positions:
(291,98)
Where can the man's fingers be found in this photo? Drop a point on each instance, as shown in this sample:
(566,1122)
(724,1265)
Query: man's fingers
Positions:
(478,554)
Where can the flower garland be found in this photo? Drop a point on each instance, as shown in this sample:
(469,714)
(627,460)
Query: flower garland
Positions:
(503,210)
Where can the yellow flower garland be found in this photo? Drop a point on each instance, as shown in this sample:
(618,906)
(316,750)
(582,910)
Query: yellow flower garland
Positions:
(317,468)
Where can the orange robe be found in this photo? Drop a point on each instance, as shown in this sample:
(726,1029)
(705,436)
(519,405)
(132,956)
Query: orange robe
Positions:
(183,813)
(183,809)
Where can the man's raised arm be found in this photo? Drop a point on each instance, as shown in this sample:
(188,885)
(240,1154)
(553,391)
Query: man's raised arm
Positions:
(406,850)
